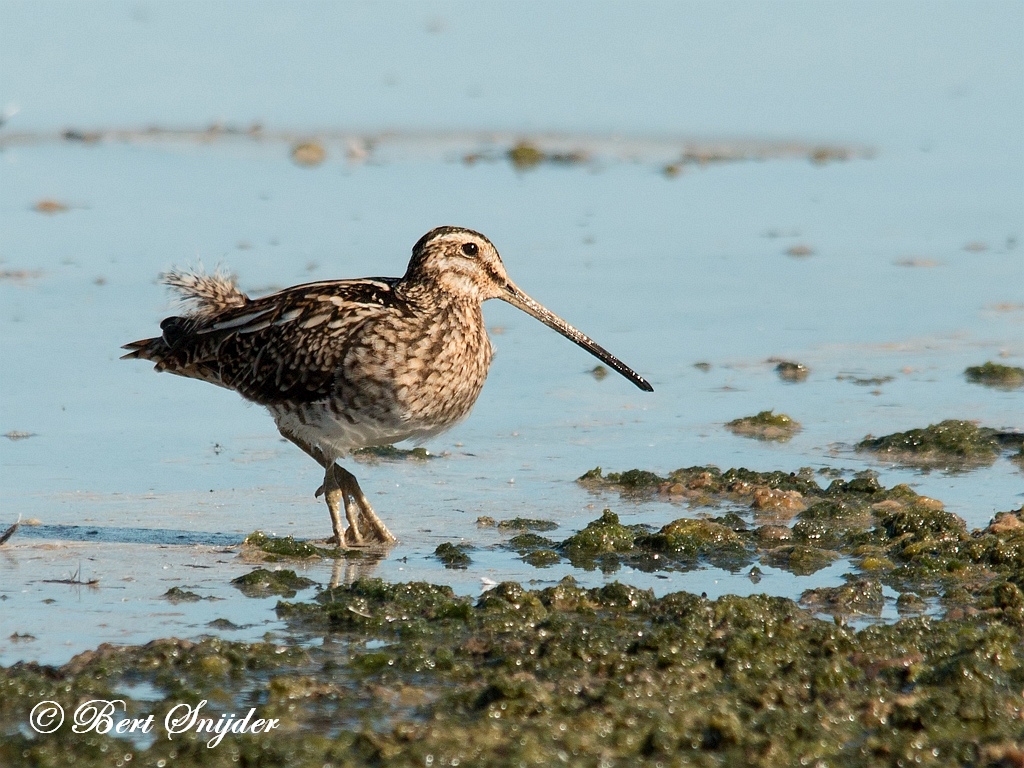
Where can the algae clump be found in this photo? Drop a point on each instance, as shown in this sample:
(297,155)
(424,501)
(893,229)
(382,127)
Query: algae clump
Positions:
(792,372)
(799,559)
(766,425)
(600,542)
(453,555)
(272,548)
(525,156)
(526,524)
(862,596)
(378,453)
(264,583)
(686,539)
(950,444)
(996,375)
(179,595)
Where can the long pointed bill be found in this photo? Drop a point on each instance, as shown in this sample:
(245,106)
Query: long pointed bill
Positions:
(518,299)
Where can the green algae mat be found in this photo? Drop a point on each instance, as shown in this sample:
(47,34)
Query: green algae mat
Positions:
(412,674)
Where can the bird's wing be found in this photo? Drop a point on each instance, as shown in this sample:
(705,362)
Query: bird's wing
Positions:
(286,346)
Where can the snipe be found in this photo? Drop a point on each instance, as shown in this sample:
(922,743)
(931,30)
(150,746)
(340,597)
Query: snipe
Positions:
(348,364)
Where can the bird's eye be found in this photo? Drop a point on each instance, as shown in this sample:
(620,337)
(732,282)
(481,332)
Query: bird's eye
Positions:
(470,249)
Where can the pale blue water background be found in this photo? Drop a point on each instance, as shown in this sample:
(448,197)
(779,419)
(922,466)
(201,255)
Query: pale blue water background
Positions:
(665,272)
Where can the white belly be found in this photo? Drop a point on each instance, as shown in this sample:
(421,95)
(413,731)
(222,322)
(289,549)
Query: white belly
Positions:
(317,425)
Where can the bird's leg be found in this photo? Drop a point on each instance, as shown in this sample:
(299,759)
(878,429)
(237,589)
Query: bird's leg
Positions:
(332,492)
(334,496)
(353,536)
(341,487)
(367,516)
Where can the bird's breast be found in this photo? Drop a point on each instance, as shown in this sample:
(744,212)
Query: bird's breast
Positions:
(423,371)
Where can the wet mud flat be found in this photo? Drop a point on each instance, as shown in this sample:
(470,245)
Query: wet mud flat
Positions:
(410,673)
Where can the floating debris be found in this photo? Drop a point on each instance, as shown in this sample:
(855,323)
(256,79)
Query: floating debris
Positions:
(308,154)
(918,263)
(865,381)
(50,207)
(75,579)
(822,155)
(790,371)
(20,274)
(526,155)
(14,435)
(86,137)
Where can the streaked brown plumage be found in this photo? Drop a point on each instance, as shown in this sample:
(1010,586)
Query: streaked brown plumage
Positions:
(347,364)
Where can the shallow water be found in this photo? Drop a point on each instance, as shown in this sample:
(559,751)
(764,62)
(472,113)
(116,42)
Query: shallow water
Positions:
(147,482)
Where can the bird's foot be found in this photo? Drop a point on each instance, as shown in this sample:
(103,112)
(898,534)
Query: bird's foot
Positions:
(376,527)
(365,528)
(341,489)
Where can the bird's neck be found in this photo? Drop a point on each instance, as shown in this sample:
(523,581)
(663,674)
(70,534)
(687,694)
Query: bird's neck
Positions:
(429,298)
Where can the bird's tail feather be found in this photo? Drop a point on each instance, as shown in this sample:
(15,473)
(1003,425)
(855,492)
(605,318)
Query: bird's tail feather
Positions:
(146,349)
(205,295)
